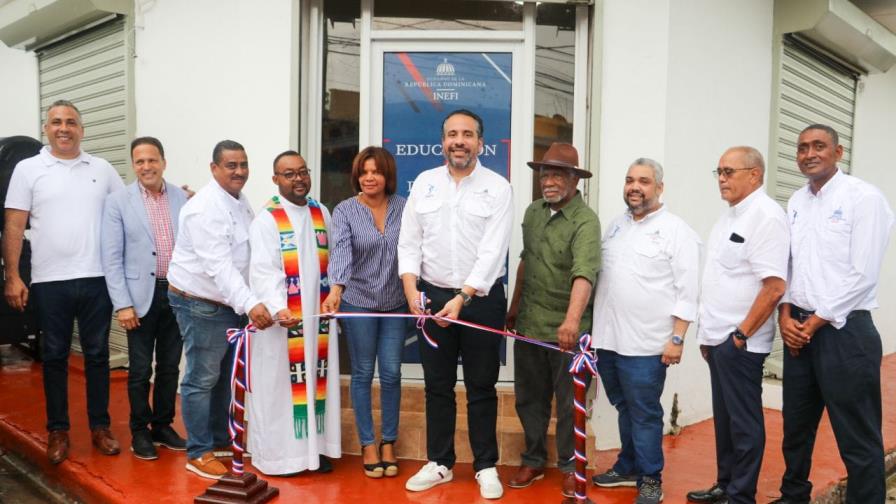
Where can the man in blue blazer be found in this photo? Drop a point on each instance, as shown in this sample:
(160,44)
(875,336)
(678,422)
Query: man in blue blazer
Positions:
(139,226)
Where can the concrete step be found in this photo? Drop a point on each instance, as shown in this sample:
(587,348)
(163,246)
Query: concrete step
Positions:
(412,426)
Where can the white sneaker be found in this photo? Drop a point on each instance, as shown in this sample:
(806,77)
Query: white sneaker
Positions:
(428,476)
(489,484)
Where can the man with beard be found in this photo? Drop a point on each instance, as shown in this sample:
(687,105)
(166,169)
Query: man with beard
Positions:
(649,253)
(455,232)
(552,302)
(209,295)
(840,227)
(743,280)
(294,405)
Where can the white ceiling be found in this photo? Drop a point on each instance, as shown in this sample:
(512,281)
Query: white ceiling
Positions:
(883,11)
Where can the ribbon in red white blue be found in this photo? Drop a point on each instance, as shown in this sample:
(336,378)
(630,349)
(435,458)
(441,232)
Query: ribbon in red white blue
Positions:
(241,340)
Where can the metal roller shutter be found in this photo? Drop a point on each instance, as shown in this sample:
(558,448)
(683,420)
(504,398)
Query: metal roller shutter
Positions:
(90,69)
(813,89)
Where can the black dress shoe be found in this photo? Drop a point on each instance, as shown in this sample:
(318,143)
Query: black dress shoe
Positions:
(167,437)
(712,495)
(325,465)
(141,445)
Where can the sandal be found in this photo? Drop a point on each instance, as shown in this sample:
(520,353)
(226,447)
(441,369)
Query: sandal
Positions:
(374,470)
(390,467)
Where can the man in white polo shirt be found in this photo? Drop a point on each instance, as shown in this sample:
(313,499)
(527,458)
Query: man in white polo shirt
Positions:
(743,280)
(649,254)
(62,190)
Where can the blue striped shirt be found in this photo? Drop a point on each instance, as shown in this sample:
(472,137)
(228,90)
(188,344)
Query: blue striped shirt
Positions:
(364,260)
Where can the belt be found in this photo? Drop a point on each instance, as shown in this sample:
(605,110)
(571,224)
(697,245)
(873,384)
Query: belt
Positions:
(197,298)
(162,282)
(803,315)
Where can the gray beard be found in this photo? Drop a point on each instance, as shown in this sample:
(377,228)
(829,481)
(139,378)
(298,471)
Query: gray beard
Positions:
(468,160)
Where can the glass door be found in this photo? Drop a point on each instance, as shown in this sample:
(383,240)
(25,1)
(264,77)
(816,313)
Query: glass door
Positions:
(415,84)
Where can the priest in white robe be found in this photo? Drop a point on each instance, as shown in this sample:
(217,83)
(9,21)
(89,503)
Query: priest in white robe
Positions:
(293,411)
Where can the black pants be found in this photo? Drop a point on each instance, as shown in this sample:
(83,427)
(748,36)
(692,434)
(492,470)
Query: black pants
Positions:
(58,305)
(736,378)
(157,332)
(480,353)
(839,369)
(539,375)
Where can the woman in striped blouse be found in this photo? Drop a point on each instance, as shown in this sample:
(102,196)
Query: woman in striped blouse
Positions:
(363,275)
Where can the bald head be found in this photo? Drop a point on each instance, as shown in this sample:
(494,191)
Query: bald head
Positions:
(750,156)
(740,172)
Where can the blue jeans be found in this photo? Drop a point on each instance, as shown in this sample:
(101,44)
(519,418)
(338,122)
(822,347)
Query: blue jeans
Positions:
(58,305)
(205,389)
(633,385)
(371,340)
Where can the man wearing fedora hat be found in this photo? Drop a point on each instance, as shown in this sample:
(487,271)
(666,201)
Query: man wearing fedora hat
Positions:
(552,302)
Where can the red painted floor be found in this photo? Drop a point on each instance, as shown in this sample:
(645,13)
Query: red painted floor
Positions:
(123,478)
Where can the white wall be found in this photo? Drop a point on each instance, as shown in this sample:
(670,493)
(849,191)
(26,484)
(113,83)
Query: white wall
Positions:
(19,95)
(681,84)
(208,70)
(874,162)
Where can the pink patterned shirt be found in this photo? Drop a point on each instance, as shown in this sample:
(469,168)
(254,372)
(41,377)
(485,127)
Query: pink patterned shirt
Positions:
(159,213)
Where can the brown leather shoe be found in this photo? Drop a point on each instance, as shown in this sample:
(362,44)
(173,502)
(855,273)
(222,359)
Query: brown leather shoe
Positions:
(105,442)
(569,485)
(207,466)
(57,446)
(525,476)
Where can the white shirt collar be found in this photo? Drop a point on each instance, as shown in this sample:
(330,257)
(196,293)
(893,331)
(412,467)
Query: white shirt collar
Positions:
(746,203)
(652,215)
(829,186)
(473,174)
(226,196)
(49,159)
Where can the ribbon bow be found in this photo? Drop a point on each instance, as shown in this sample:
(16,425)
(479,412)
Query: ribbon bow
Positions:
(584,358)
(421,321)
(241,340)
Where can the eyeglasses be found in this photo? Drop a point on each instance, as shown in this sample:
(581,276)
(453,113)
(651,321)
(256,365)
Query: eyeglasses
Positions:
(291,175)
(728,172)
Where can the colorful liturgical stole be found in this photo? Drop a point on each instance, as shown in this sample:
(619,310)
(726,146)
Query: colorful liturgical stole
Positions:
(295,335)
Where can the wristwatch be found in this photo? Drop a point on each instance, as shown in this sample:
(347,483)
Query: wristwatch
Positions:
(677,340)
(466,297)
(737,333)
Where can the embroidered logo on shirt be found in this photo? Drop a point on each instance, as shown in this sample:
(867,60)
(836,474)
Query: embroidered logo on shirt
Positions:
(837,216)
(613,232)
(430,191)
(484,196)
